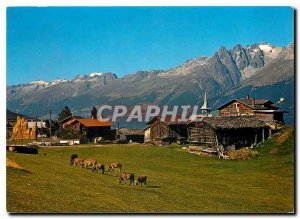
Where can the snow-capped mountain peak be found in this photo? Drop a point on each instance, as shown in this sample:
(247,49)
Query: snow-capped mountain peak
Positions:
(265,47)
(57,81)
(94,74)
(269,51)
(46,83)
(39,82)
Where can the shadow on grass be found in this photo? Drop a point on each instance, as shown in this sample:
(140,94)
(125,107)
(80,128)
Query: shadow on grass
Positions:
(18,170)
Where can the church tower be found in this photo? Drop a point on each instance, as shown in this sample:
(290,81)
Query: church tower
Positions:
(205,110)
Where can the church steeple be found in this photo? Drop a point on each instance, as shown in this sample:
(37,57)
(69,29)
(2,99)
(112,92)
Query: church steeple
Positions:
(205,110)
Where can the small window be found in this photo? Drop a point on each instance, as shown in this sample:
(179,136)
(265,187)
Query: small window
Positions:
(237,105)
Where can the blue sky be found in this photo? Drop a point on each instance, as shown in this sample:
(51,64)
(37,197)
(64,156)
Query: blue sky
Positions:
(47,43)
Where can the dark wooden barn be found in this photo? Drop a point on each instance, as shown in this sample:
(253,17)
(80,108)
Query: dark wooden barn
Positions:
(165,132)
(233,131)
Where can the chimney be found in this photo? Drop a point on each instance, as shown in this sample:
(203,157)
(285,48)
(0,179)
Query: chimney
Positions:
(247,97)
(253,102)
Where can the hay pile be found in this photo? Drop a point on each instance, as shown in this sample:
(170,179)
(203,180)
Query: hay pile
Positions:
(242,154)
(21,130)
(13,164)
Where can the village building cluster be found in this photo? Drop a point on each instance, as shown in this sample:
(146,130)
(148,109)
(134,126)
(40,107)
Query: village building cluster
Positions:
(241,122)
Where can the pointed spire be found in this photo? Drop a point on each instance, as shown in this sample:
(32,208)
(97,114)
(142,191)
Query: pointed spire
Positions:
(205,105)
(205,109)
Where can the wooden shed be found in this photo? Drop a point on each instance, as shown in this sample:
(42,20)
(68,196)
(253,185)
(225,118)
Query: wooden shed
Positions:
(165,132)
(233,131)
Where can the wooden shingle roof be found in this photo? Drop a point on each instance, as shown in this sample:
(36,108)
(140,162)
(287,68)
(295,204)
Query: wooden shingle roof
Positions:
(234,122)
(127,131)
(70,118)
(168,120)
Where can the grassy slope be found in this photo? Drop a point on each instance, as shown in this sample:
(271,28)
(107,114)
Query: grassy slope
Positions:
(178,181)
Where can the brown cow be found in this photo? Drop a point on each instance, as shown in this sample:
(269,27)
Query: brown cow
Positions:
(126,176)
(98,167)
(88,162)
(75,160)
(141,180)
(112,166)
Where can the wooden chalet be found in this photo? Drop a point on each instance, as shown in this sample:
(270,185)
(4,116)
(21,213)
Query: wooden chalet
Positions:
(265,110)
(165,132)
(91,128)
(68,120)
(233,131)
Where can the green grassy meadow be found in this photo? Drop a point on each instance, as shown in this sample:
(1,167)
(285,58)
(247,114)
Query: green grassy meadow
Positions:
(178,182)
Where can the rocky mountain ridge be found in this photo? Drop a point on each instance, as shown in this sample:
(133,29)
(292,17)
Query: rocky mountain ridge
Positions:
(226,69)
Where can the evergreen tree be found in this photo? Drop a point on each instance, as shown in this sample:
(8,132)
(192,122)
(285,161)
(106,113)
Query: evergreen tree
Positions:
(94,113)
(66,112)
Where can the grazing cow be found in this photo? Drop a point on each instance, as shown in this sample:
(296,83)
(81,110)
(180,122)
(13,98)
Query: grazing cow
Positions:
(88,162)
(75,160)
(98,167)
(126,176)
(112,166)
(141,180)
(73,156)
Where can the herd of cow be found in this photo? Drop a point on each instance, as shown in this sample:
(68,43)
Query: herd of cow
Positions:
(96,167)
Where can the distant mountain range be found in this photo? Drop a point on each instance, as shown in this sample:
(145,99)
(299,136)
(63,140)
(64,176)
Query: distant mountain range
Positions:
(261,70)
(12,117)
